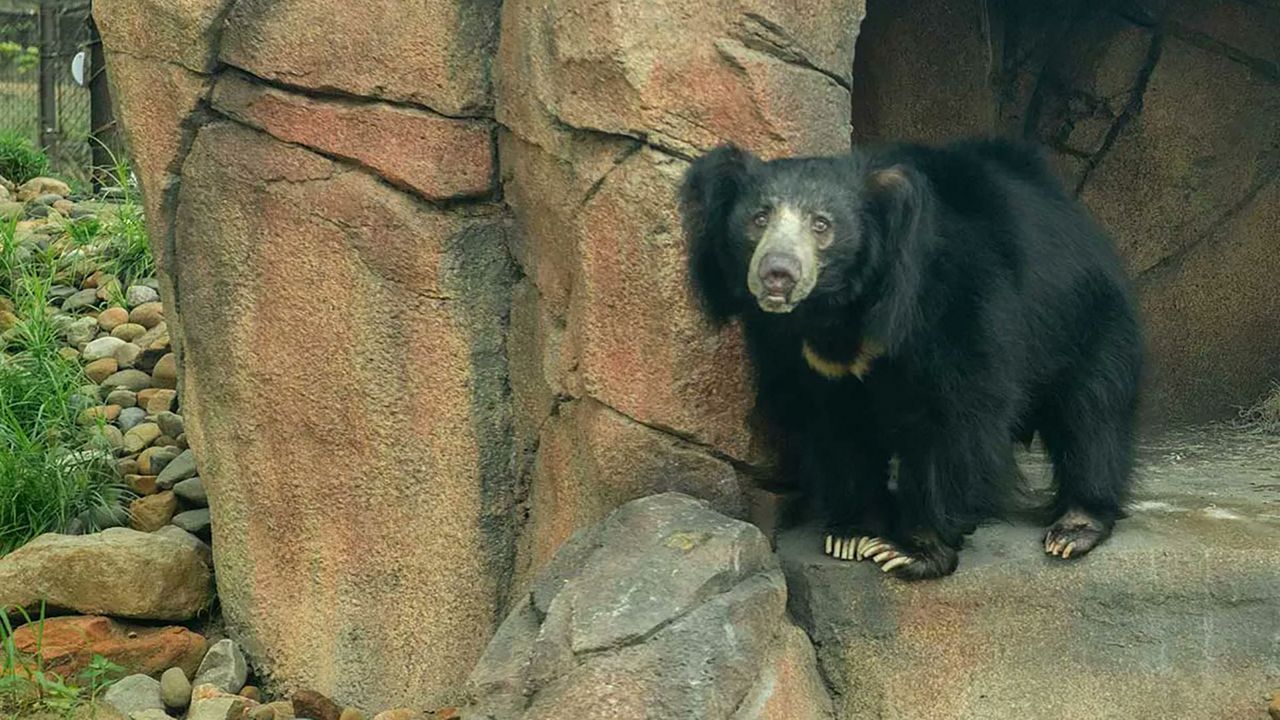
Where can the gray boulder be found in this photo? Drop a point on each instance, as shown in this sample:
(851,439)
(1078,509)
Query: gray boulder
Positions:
(224,667)
(666,609)
(135,693)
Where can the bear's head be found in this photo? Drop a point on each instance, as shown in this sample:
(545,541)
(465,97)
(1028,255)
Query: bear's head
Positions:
(799,234)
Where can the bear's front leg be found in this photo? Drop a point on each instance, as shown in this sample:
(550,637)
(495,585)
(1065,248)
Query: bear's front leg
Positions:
(849,479)
(942,488)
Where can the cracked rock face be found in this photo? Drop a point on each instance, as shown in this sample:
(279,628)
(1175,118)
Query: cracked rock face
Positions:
(620,388)
(424,277)
(665,609)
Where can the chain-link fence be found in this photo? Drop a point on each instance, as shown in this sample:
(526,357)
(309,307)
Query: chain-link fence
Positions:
(52,86)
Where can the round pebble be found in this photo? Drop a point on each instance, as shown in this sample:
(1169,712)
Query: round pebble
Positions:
(134,380)
(103,347)
(127,355)
(130,417)
(123,398)
(171,424)
(140,295)
(112,318)
(129,331)
(175,689)
(148,315)
(101,369)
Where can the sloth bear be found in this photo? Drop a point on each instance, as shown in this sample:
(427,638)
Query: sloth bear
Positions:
(929,305)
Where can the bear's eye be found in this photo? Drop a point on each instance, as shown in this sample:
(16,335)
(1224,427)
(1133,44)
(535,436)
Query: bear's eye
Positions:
(821,225)
(761,218)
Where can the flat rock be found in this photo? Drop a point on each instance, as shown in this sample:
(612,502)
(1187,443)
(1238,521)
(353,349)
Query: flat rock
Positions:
(134,693)
(70,643)
(37,186)
(191,491)
(134,380)
(196,522)
(1016,634)
(180,468)
(118,572)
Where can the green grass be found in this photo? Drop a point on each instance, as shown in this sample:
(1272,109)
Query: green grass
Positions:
(20,160)
(127,253)
(52,468)
(27,687)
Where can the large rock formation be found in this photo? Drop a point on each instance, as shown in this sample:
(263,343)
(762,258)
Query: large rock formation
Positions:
(345,215)
(666,609)
(338,283)
(620,390)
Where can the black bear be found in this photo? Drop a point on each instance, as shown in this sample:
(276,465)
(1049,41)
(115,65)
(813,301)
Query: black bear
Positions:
(933,305)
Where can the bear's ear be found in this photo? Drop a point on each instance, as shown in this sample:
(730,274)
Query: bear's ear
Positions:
(898,200)
(711,187)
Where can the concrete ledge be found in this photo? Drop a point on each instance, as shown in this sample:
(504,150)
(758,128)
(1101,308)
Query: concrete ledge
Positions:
(1176,616)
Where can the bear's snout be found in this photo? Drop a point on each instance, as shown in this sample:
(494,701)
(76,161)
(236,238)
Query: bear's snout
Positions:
(779,273)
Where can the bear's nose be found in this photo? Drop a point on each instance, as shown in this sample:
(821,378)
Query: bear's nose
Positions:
(779,273)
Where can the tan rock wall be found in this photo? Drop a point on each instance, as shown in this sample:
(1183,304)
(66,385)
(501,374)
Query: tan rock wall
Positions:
(427,284)
(620,388)
(322,201)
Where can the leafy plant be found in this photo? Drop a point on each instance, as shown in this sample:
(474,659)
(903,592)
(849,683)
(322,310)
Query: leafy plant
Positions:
(20,160)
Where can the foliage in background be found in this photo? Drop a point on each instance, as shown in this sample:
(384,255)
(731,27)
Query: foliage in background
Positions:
(16,57)
(20,160)
(26,687)
(52,467)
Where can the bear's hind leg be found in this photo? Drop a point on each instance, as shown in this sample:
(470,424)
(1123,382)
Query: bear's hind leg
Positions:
(1089,438)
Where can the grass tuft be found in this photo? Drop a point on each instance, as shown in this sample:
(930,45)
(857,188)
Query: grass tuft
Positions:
(20,160)
(52,468)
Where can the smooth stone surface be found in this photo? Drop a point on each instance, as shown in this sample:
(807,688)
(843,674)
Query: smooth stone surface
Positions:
(191,491)
(134,693)
(175,689)
(195,522)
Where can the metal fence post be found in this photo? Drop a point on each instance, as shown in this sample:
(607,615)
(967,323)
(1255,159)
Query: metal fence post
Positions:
(102,126)
(48,84)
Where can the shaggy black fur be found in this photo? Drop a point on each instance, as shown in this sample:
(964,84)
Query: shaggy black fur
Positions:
(1002,309)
